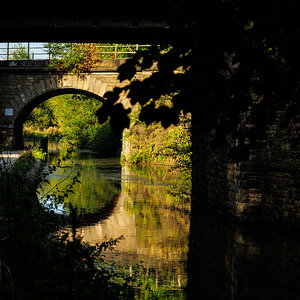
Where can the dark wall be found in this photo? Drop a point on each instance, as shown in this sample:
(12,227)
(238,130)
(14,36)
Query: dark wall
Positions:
(263,188)
(99,23)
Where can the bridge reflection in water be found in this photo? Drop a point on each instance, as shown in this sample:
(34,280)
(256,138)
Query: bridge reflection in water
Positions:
(155,227)
(165,251)
(155,224)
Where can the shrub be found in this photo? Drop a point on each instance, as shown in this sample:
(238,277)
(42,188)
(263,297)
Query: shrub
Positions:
(38,264)
(38,153)
(24,163)
(103,140)
(154,144)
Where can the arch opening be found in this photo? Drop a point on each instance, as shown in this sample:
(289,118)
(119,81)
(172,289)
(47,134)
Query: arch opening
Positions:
(68,103)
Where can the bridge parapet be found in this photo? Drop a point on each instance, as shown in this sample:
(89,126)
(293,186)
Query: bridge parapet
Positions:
(42,66)
(17,65)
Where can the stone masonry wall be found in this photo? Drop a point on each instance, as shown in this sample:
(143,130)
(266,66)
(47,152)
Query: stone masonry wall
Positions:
(264,189)
(26,84)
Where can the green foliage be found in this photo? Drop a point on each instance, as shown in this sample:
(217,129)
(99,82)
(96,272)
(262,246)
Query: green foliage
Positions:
(103,140)
(42,116)
(72,118)
(73,57)
(154,144)
(24,163)
(38,153)
(42,123)
(19,53)
(39,264)
(142,156)
(75,116)
(177,142)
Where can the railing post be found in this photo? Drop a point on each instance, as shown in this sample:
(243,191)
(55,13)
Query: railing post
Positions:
(7,52)
(116,46)
(49,51)
(28,49)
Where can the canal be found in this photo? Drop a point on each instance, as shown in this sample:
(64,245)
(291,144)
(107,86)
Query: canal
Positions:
(138,204)
(171,249)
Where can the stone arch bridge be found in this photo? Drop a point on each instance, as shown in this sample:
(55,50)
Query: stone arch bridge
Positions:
(263,189)
(26,84)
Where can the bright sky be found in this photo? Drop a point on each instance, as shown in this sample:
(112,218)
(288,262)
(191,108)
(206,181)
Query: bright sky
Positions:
(36,49)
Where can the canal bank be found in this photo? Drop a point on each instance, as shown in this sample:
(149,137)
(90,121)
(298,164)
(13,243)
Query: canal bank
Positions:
(8,158)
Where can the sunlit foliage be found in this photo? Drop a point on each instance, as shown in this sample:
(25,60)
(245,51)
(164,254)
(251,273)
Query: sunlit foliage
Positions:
(72,118)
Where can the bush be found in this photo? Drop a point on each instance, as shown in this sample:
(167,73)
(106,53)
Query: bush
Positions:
(38,264)
(24,163)
(154,144)
(38,153)
(103,140)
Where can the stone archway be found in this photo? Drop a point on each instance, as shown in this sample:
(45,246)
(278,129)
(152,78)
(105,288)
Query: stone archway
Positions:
(23,88)
(17,137)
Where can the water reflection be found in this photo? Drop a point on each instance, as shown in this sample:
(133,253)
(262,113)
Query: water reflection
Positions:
(230,261)
(99,186)
(225,260)
(138,205)
(155,226)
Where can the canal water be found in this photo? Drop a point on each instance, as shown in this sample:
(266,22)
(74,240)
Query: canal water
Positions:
(168,250)
(140,205)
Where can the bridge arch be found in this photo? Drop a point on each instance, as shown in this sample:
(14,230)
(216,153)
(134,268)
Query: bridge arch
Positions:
(24,112)
(24,86)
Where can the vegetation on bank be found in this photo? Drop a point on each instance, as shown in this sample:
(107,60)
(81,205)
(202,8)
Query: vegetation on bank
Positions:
(151,144)
(36,263)
(72,120)
(154,144)
(24,163)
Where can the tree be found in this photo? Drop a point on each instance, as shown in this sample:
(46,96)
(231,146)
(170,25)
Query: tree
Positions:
(75,115)
(229,55)
(20,53)
(75,57)
(42,117)
(81,57)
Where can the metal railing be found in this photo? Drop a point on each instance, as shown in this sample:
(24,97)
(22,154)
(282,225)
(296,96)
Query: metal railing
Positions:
(40,51)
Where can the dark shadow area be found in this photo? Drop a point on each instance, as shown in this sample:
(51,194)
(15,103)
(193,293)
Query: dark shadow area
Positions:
(88,219)
(229,261)
(84,23)
(238,69)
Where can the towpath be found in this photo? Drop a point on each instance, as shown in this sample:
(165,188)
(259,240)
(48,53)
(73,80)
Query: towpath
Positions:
(8,158)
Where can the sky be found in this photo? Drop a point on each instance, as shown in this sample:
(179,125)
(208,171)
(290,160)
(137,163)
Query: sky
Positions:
(36,49)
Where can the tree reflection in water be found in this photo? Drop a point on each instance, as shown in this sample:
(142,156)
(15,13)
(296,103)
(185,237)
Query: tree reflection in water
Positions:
(225,260)
(139,206)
